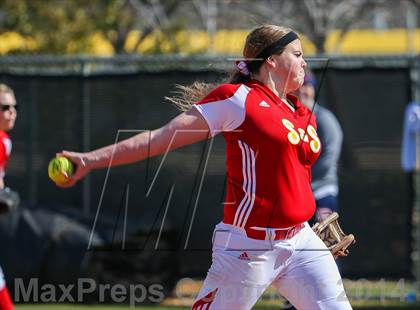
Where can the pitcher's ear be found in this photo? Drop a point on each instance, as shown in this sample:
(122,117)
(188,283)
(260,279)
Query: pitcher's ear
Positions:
(270,60)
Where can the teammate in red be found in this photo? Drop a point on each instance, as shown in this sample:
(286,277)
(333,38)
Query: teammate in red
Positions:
(8,112)
(271,143)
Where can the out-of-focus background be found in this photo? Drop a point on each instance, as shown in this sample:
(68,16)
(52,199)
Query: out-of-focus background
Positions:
(87,73)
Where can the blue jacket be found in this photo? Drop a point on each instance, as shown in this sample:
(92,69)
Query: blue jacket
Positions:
(411,131)
(324,171)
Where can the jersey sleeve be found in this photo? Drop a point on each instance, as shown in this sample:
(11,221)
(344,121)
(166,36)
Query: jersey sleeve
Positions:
(224,108)
(5,150)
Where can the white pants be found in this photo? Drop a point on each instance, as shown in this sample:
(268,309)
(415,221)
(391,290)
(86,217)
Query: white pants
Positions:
(301,268)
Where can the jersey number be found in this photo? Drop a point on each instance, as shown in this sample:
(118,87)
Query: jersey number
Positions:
(295,137)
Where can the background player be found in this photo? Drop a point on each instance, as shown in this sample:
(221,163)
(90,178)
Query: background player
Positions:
(264,237)
(324,171)
(8,113)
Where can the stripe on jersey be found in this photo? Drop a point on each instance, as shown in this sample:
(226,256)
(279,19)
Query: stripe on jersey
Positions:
(254,184)
(244,185)
(249,185)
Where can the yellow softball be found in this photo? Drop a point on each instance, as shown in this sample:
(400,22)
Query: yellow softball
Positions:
(58,167)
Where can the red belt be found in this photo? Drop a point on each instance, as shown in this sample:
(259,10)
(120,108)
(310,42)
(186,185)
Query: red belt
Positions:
(273,233)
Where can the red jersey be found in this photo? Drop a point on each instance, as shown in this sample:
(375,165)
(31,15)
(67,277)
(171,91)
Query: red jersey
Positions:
(5,150)
(268,154)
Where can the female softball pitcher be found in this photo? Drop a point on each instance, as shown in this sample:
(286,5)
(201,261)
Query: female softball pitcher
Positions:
(271,143)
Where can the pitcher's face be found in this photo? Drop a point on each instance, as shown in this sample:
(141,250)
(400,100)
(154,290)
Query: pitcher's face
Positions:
(290,66)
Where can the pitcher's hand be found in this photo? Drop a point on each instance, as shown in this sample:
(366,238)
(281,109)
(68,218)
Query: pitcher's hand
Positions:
(81,167)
